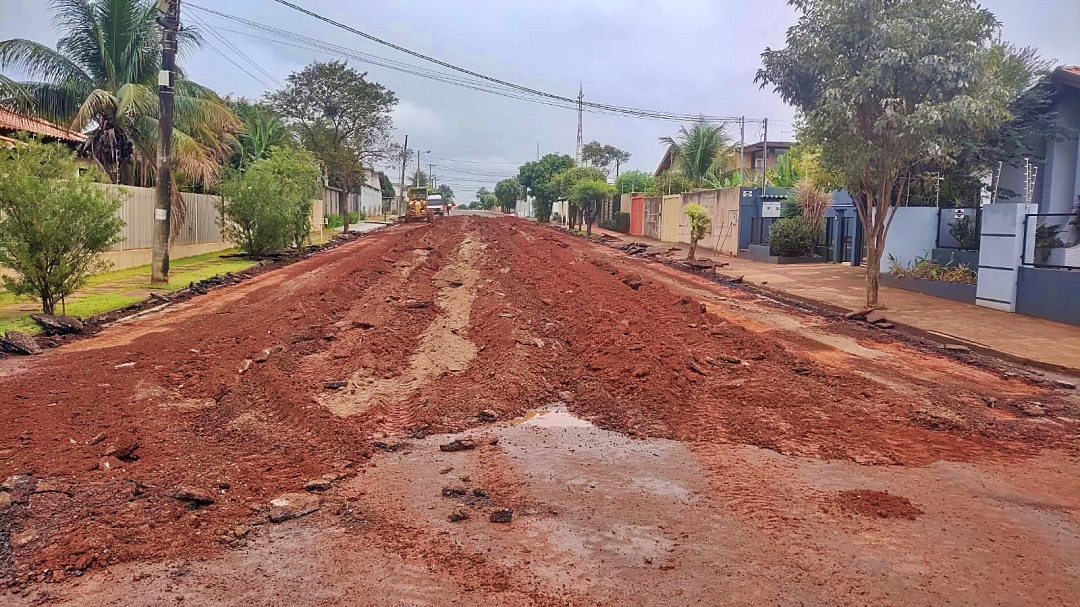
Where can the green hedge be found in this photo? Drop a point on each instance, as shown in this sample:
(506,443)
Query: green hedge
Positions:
(621,223)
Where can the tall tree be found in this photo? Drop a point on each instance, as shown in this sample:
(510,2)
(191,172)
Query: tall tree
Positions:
(537,178)
(419,179)
(341,117)
(702,153)
(447,192)
(633,181)
(102,79)
(483,191)
(882,85)
(508,191)
(603,157)
(563,186)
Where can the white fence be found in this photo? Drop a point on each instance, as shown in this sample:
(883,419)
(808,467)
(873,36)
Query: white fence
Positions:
(201,219)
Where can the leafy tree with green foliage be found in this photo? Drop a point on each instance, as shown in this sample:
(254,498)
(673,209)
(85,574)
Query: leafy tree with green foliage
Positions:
(102,79)
(633,181)
(602,156)
(699,224)
(587,195)
(297,176)
(447,192)
(508,191)
(882,86)
(53,224)
(489,201)
(341,117)
(704,152)
(669,182)
(481,192)
(564,183)
(268,206)
(786,172)
(537,177)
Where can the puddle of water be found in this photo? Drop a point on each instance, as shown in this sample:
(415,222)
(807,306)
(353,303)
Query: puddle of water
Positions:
(550,418)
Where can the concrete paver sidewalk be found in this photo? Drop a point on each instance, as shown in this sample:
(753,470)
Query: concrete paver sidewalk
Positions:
(1023,338)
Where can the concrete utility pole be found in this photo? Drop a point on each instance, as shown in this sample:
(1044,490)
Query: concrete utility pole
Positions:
(170,24)
(765,159)
(401,193)
(430,176)
(580,100)
(742,144)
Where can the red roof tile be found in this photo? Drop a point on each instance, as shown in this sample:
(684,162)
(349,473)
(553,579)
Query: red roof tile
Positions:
(17,122)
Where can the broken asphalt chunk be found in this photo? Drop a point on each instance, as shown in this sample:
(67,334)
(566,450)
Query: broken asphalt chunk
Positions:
(502,515)
(194,495)
(292,505)
(461,444)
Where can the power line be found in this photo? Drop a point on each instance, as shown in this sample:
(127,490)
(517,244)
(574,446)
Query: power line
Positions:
(652,113)
(489,84)
(239,52)
(238,66)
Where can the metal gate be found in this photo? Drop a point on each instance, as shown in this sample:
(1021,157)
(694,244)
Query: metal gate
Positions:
(637,216)
(651,228)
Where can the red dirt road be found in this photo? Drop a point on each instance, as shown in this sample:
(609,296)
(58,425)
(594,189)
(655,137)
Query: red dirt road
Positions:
(707,447)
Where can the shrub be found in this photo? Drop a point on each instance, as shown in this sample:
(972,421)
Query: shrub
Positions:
(699,223)
(268,206)
(963,230)
(790,237)
(928,269)
(53,224)
(333,221)
(621,223)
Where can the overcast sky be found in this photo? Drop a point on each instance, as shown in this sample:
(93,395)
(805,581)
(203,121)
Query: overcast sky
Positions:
(687,56)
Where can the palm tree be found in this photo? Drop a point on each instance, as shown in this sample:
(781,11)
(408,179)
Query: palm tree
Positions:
(704,154)
(102,80)
(263,129)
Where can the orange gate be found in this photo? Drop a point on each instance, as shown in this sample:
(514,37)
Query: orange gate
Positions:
(637,215)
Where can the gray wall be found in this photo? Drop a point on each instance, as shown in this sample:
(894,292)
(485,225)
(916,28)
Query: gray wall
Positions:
(1047,293)
(913,233)
(1000,253)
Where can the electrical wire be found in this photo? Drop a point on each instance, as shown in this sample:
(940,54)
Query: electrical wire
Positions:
(475,80)
(236,50)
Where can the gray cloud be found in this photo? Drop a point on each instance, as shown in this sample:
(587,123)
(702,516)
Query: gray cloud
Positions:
(688,56)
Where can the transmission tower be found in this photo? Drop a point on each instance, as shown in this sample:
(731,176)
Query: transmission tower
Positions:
(580,99)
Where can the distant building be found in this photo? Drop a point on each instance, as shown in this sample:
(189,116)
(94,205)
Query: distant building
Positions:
(754,155)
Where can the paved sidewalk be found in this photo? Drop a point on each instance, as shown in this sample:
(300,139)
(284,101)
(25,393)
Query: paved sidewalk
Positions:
(1022,338)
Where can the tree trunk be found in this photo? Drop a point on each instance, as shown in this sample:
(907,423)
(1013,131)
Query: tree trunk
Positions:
(343,205)
(693,249)
(873,271)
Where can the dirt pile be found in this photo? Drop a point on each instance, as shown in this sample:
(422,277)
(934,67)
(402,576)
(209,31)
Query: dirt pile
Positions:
(252,391)
(881,504)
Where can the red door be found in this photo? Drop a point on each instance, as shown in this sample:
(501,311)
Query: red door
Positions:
(637,215)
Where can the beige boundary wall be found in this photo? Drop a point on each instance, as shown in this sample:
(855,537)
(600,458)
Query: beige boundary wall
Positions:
(198,233)
(723,206)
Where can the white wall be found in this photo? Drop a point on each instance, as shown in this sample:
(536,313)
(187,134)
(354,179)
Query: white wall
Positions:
(913,233)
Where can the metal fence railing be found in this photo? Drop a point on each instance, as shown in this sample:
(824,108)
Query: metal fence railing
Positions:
(759,229)
(959,229)
(1052,240)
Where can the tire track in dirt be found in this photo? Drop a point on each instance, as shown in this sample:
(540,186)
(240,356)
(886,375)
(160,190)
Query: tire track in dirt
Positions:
(444,346)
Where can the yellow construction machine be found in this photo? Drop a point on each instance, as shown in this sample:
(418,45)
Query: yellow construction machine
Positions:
(417,206)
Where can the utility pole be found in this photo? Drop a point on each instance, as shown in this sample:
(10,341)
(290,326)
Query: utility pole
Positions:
(538,150)
(580,100)
(402,211)
(765,159)
(170,23)
(430,176)
(742,144)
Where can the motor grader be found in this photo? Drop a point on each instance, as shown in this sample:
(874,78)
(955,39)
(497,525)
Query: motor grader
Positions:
(417,206)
